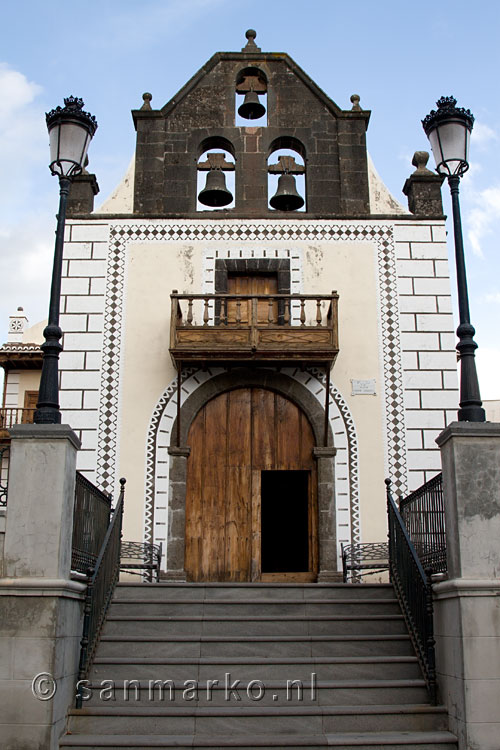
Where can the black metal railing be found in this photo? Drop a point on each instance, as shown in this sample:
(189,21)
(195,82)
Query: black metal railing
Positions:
(90,522)
(100,586)
(141,559)
(423,515)
(414,591)
(4,474)
(363,559)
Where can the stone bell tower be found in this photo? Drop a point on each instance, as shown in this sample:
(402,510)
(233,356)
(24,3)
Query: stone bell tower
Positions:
(299,117)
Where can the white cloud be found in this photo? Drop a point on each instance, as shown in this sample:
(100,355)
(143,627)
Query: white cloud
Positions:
(27,199)
(23,140)
(482,135)
(492,297)
(482,218)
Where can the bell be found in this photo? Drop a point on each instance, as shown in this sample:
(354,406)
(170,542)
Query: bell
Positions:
(286,197)
(251,109)
(215,192)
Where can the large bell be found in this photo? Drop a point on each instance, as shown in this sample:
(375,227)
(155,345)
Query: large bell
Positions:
(286,197)
(215,192)
(251,109)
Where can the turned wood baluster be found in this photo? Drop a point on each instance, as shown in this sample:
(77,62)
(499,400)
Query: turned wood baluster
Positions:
(238,312)
(302,312)
(319,317)
(189,319)
(205,313)
(270,317)
(287,313)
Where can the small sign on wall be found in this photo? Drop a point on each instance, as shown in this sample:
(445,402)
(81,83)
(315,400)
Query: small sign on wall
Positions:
(363,387)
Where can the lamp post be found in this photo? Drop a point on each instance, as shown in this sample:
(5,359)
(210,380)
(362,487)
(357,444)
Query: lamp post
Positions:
(70,132)
(448,130)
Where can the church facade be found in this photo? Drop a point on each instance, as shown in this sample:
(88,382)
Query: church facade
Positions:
(256,333)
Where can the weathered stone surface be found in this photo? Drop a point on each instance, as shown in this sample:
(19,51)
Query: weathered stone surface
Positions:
(202,115)
(467,606)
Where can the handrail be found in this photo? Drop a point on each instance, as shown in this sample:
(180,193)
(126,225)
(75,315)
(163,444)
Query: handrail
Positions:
(235,295)
(91,518)
(414,592)
(424,517)
(11,415)
(4,474)
(101,582)
(254,310)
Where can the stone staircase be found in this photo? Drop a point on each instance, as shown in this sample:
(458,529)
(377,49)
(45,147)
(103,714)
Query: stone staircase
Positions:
(347,645)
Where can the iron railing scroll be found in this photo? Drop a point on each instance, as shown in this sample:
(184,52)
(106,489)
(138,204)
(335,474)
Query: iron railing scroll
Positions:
(101,583)
(423,515)
(4,474)
(91,516)
(414,591)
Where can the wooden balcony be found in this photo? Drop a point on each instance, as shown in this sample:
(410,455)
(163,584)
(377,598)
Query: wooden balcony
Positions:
(9,416)
(278,328)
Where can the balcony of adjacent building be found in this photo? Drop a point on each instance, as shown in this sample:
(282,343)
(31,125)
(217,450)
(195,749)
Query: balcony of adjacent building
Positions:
(283,329)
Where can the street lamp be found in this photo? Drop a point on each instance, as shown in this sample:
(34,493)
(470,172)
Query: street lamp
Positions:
(448,130)
(70,132)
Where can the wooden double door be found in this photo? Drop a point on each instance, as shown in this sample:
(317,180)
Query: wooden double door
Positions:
(251,506)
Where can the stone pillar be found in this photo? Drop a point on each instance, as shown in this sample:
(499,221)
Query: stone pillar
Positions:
(83,190)
(176,539)
(467,607)
(40,607)
(327,523)
(423,188)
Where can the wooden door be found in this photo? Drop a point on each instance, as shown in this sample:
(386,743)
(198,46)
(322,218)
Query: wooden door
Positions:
(257,284)
(233,439)
(30,402)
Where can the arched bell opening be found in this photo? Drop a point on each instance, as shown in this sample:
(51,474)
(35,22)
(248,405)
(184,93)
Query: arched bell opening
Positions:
(251,98)
(287,175)
(215,175)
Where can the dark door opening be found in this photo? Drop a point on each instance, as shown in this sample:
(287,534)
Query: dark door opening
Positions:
(285,521)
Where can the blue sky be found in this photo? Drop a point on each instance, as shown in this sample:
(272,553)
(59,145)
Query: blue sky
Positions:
(398,56)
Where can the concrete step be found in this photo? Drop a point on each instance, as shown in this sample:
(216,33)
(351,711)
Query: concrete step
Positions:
(360,741)
(257,719)
(300,645)
(262,591)
(147,625)
(354,679)
(276,692)
(248,607)
(256,668)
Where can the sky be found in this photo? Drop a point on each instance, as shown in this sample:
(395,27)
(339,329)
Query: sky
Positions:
(400,57)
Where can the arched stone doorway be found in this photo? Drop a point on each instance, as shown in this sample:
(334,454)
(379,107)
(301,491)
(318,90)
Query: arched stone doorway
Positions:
(297,394)
(251,490)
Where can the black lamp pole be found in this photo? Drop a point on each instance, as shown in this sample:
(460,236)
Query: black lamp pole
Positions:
(448,130)
(70,130)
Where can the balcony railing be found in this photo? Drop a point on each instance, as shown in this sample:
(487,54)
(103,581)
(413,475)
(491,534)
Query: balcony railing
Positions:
(10,416)
(248,327)
(424,517)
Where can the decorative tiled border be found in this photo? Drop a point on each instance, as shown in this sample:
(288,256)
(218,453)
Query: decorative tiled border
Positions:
(310,231)
(159,435)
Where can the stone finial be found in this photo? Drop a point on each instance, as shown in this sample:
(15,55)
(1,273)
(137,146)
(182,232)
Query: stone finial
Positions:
(147,100)
(250,45)
(420,159)
(18,322)
(423,188)
(355,102)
